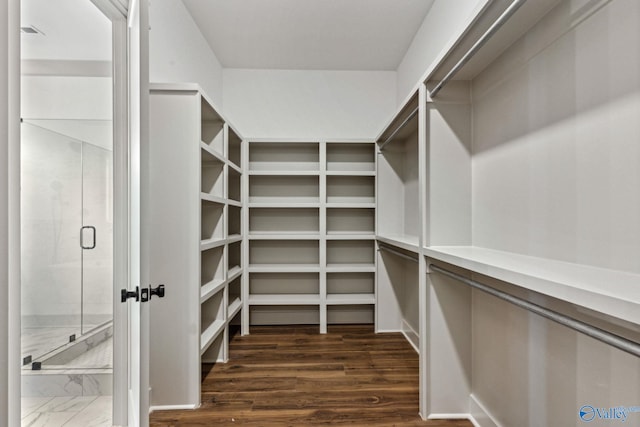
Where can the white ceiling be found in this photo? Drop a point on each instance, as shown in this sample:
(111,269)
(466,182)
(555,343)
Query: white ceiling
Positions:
(309,34)
(73,30)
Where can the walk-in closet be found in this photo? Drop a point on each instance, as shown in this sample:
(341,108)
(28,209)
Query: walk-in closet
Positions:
(373,212)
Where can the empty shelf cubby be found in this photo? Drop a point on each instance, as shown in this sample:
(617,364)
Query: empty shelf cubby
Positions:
(234,257)
(360,252)
(212,221)
(284,252)
(212,178)
(211,266)
(350,314)
(212,128)
(284,189)
(344,157)
(234,188)
(284,315)
(235,147)
(234,221)
(284,283)
(351,189)
(350,283)
(350,221)
(290,156)
(284,221)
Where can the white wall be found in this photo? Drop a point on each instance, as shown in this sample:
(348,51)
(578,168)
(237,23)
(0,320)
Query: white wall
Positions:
(178,52)
(444,22)
(556,163)
(308,104)
(556,174)
(9,214)
(62,97)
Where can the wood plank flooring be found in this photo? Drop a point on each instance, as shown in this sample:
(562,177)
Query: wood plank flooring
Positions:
(293,376)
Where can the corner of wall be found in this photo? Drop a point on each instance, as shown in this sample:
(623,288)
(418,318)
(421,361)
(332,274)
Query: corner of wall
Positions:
(179,53)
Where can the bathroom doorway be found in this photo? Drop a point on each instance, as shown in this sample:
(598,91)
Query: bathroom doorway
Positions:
(67,216)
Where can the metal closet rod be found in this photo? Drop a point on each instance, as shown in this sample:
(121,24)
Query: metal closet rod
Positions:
(513,7)
(402,125)
(398,253)
(613,340)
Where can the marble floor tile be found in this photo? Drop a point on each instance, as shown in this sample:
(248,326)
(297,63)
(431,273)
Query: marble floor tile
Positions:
(47,419)
(31,404)
(97,414)
(67,404)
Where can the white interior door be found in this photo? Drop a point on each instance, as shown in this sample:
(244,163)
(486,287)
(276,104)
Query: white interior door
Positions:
(138,355)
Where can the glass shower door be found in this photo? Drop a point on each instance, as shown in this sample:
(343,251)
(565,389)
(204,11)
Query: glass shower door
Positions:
(97,237)
(51,212)
(66,233)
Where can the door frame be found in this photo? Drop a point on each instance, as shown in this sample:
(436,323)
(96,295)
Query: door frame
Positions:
(10,390)
(117,13)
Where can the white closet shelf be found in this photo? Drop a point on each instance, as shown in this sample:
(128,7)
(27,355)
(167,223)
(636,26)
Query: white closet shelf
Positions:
(213,154)
(351,299)
(284,204)
(235,203)
(211,243)
(234,238)
(351,268)
(284,299)
(614,293)
(213,199)
(234,272)
(210,334)
(350,204)
(284,173)
(351,173)
(234,307)
(284,268)
(210,289)
(283,236)
(406,242)
(350,235)
(235,167)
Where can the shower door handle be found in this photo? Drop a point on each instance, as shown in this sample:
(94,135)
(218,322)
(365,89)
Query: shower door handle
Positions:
(93,232)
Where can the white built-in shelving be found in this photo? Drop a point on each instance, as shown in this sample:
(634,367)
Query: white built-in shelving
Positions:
(197,239)
(311,222)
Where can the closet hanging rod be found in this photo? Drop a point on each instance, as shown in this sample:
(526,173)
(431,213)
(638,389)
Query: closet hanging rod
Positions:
(513,7)
(613,340)
(398,253)
(399,128)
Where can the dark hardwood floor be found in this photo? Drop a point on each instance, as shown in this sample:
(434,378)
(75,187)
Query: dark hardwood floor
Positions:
(293,376)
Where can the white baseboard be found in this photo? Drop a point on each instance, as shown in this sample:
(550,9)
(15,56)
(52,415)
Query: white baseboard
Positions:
(411,335)
(171,407)
(481,416)
(454,416)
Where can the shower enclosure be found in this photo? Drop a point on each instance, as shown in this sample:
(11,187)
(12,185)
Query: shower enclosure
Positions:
(66,229)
